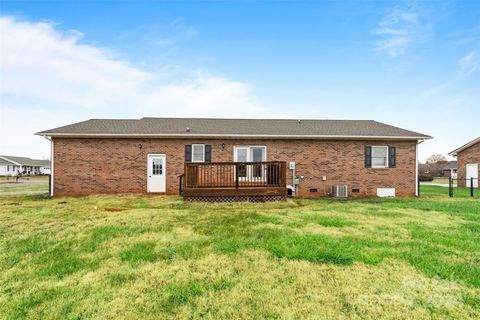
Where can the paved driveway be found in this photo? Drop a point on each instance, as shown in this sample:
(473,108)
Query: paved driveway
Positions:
(21,183)
(434,184)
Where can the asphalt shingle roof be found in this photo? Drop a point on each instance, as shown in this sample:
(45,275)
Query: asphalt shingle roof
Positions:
(185,127)
(451,165)
(24,161)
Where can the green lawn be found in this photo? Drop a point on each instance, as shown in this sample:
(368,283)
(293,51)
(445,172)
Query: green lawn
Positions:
(154,257)
(35,188)
(458,192)
(24,178)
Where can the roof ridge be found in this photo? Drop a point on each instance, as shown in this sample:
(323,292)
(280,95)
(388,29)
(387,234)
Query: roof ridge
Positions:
(110,119)
(275,119)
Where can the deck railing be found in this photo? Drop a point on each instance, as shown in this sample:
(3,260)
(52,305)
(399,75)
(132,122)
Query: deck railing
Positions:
(218,175)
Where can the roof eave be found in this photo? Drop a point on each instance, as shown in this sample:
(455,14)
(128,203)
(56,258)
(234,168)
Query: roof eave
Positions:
(228,136)
(11,161)
(465,146)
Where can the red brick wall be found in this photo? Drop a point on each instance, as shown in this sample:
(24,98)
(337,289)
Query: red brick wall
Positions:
(86,166)
(469,155)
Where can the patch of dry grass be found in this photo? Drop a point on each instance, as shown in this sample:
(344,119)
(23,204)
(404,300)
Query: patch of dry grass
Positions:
(156,257)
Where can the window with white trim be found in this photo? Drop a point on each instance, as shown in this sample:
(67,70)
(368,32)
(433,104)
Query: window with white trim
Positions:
(198,153)
(250,153)
(379,157)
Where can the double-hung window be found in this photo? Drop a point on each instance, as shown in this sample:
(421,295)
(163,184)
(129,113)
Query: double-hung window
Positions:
(198,153)
(379,157)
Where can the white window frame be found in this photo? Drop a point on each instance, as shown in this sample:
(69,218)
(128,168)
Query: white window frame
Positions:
(203,152)
(235,148)
(386,162)
(249,157)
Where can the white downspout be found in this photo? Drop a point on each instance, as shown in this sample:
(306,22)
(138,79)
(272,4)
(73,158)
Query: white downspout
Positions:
(293,181)
(51,165)
(416,167)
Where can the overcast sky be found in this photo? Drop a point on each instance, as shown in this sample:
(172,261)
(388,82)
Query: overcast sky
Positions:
(411,64)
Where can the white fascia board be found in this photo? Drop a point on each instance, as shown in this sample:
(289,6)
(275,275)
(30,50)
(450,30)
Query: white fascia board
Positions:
(465,146)
(229,136)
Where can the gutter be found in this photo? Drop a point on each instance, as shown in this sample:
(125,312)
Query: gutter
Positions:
(229,136)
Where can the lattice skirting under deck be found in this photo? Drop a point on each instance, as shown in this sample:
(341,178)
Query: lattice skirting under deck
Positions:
(267,198)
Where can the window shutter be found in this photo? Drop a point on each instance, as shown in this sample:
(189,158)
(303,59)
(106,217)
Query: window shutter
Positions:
(188,153)
(208,153)
(392,157)
(368,157)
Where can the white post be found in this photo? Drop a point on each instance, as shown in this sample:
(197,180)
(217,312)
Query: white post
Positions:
(51,168)
(416,169)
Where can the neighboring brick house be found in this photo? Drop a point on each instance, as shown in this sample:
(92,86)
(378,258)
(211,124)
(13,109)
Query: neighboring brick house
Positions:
(450,170)
(468,163)
(124,156)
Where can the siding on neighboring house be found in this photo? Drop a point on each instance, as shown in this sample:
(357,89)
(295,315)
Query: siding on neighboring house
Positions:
(45,170)
(118,165)
(469,155)
(6,169)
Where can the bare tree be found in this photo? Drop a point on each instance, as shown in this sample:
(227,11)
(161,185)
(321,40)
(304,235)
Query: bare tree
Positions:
(433,167)
(434,158)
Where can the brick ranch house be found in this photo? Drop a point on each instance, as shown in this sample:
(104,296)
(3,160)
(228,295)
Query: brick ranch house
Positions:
(304,158)
(468,163)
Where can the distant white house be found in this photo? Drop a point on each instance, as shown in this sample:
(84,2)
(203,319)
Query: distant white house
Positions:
(11,166)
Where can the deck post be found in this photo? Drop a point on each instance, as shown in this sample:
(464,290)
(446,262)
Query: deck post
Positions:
(185,175)
(180,177)
(236,175)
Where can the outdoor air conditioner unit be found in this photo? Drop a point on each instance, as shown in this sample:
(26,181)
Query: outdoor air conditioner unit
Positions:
(290,191)
(340,192)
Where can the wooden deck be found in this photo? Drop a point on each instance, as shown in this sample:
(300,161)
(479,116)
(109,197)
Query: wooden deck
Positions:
(234,181)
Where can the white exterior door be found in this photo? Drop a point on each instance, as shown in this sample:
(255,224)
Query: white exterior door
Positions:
(250,154)
(156,172)
(472,172)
